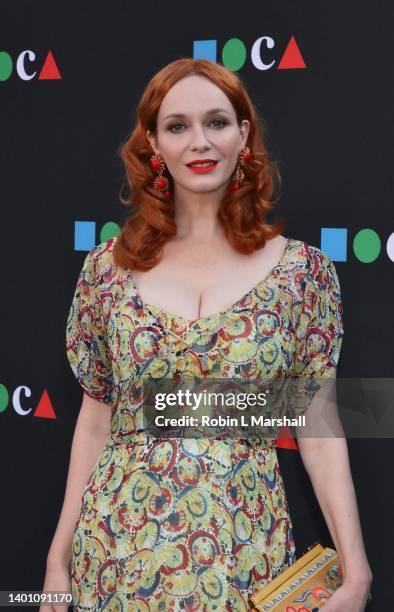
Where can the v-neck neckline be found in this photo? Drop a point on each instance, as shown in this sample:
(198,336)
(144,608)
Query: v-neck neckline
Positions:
(158,311)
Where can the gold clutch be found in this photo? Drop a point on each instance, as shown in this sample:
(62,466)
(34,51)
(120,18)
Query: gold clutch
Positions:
(305,585)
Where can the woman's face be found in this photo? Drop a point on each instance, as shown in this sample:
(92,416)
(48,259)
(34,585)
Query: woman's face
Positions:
(196,121)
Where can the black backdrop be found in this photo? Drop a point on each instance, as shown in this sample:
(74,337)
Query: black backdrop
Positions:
(329,125)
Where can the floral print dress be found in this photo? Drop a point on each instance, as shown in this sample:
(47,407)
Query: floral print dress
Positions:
(189,524)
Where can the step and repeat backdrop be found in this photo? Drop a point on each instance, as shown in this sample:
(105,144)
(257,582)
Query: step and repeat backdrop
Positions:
(71,75)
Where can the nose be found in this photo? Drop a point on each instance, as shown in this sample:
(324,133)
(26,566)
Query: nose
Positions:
(199,140)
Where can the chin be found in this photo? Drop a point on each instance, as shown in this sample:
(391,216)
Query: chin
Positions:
(205,189)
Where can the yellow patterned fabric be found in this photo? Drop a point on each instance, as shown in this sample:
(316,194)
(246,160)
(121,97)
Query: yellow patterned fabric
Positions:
(190,524)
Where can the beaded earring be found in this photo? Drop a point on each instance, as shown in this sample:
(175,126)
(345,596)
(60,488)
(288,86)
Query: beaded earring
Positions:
(160,182)
(238,176)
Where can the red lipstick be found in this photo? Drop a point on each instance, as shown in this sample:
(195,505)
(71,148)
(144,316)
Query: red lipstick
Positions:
(199,169)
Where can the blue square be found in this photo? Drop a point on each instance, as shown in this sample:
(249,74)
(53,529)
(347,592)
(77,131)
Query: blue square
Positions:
(84,235)
(205,49)
(334,242)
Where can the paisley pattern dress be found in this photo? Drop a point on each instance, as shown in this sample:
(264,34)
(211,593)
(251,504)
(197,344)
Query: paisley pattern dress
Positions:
(189,524)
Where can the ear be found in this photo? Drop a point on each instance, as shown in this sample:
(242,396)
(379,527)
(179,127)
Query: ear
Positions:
(244,129)
(152,141)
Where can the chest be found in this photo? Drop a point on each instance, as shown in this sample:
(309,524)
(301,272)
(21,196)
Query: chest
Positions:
(197,282)
(253,339)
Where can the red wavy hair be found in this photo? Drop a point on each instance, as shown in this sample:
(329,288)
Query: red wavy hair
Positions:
(242,213)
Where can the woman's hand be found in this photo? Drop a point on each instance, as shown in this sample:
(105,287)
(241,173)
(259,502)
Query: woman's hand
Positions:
(350,597)
(57,578)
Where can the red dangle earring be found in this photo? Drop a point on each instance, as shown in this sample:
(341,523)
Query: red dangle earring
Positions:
(160,182)
(237,179)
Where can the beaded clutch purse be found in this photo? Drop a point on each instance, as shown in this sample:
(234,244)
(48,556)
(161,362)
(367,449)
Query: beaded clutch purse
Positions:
(304,585)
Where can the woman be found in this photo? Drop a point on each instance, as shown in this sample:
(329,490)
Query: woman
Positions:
(198,283)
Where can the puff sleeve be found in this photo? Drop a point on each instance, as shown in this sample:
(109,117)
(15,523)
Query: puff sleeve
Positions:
(86,336)
(318,333)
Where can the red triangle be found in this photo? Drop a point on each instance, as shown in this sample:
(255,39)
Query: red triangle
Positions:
(285,440)
(45,409)
(49,69)
(292,57)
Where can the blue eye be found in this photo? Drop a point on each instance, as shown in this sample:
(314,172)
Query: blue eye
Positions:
(171,127)
(220,121)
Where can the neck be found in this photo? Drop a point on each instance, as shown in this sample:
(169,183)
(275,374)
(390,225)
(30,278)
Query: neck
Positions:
(196,214)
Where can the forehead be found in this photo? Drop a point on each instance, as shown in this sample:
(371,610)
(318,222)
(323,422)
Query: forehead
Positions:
(194,95)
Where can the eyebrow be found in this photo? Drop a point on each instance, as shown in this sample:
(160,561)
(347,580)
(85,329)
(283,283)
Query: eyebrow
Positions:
(210,112)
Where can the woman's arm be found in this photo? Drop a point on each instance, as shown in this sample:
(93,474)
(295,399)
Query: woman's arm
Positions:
(92,428)
(327,464)
(326,461)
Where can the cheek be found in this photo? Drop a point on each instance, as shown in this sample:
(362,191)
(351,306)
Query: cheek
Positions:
(170,149)
(228,145)
(170,145)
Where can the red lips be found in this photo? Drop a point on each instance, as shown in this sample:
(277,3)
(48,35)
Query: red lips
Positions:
(202,169)
(201,161)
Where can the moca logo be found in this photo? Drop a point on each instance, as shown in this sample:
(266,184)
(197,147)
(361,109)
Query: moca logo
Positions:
(24,66)
(43,410)
(234,53)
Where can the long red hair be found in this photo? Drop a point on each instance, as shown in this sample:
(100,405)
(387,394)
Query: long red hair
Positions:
(242,214)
